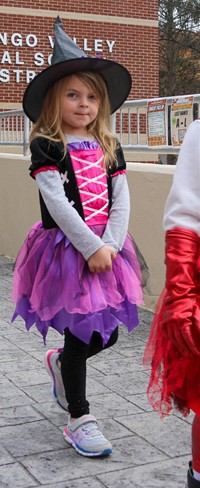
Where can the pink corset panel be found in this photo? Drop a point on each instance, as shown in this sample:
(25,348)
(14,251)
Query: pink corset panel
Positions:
(88,165)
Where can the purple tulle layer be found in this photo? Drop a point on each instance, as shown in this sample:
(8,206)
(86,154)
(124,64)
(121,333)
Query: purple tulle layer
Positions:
(53,287)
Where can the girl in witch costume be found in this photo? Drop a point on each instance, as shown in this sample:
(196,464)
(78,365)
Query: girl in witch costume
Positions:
(77,270)
(173,348)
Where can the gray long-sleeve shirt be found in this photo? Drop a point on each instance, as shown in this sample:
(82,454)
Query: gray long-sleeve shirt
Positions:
(70,222)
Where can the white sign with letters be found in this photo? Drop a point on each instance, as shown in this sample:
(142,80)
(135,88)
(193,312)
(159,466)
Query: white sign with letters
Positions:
(18,40)
(181,117)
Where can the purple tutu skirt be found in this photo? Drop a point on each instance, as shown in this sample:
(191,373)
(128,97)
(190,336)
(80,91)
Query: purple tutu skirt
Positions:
(53,287)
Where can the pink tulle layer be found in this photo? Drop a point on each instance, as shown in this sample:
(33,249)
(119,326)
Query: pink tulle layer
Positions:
(53,287)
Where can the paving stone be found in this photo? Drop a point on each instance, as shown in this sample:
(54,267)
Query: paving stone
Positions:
(29,377)
(189,419)
(96,387)
(104,405)
(5,343)
(6,275)
(93,373)
(113,429)
(18,415)
(38,393)
(15,476)
(66,465)
(141,401)
(127,383)
(22,364)
(135,450)
(134,351)
(142,332)
(36,344)
(161,435)
(165,474)
(13,354)
(80,483)
(6,291)
(51,411)
(46,467)
(11,395)
(38,354)
(117,366)
(34,437)
(5,457)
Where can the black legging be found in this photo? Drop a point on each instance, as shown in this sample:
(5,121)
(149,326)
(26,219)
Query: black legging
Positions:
(73,368)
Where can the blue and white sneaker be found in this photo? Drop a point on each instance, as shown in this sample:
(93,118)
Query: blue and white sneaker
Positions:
(54,371)
(86,438)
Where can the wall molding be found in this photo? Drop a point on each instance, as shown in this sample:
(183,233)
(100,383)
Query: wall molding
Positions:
(78,16)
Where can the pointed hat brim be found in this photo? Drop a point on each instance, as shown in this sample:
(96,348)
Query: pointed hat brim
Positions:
(117,79)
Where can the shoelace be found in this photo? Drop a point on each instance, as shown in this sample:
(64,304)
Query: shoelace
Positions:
(91,430)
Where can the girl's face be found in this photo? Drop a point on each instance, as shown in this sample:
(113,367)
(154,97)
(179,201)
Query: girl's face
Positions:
(79,106)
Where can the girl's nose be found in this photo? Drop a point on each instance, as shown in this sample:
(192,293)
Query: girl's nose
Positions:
(84,102)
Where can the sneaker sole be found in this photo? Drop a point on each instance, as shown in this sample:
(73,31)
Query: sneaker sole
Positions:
(78,449)
(50,372)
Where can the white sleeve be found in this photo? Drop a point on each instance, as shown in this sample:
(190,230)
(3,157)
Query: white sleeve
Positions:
(182,207)
(65,216)
(117,226)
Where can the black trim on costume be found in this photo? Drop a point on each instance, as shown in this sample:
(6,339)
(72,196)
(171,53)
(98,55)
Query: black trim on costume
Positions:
(48,153)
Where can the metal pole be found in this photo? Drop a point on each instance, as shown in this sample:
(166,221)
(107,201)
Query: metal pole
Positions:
(113,123)
(26,136)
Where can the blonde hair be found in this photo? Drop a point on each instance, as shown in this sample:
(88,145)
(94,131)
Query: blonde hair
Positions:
(49,124)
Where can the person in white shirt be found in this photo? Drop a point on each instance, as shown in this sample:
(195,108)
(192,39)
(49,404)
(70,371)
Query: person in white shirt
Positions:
(173,347)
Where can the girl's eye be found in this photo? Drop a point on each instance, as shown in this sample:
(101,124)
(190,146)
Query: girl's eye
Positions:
(92,97)
(71,95)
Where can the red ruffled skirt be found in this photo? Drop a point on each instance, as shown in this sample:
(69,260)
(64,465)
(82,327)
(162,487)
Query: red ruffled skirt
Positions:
(174,379)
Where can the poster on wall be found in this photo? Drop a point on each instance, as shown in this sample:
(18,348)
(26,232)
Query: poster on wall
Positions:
(156,123)
(181,117)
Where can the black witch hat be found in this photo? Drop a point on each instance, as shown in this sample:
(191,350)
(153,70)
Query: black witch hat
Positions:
(69,59)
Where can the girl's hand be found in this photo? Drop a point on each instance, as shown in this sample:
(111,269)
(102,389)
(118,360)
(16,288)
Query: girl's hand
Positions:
(101,260)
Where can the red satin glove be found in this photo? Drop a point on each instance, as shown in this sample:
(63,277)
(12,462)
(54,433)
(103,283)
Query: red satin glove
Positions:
(181,312)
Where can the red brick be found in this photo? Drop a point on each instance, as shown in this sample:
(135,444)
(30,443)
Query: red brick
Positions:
(136,46)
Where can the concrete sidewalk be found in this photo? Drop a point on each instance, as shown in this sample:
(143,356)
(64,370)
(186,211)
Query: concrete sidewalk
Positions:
(147,452)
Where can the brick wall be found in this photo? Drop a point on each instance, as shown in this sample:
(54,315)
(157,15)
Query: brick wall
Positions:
(126,8)
(131,24)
